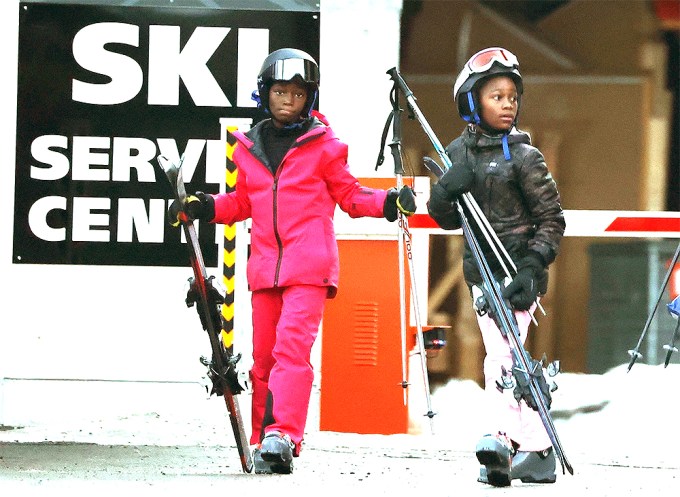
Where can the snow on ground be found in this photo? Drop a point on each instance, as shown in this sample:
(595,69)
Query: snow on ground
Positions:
(632,416)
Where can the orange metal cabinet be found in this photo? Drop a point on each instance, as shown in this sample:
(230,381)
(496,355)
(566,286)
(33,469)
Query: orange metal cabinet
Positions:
(361,358)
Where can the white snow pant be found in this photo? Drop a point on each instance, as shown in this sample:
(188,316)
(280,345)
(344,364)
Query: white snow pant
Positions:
(503,413)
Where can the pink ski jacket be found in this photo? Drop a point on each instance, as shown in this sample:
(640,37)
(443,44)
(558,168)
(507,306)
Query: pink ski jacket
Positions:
(292,236)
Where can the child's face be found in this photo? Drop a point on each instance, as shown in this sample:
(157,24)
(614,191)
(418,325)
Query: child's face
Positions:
(498,99)
(286,101)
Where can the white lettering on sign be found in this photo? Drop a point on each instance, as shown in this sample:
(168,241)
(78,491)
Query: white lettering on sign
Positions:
(37,218)
(86,158)
(41,150)
(89,51)
(86,216)
(91,220)
(101,159)
(97,158)
(168,64)
(133,153)
(255,43)
(132,215)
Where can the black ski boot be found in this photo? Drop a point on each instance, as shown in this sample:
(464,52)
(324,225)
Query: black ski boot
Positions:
(529,467)
(534,467)
(261,466)
(277,451)
(495,453)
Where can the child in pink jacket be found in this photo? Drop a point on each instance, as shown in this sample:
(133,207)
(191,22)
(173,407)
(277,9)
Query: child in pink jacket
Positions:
(292,172)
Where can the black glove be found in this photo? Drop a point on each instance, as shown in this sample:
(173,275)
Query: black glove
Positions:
(523,289)
(200,206)
(442,209)
(457,180)
(403,201)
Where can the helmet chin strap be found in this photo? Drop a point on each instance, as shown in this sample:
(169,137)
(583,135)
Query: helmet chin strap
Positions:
(506,148)
(310,102)
(474,115)
(255,97)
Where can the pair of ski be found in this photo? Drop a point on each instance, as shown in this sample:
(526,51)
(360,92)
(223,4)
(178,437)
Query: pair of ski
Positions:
(222,366)
(527,371)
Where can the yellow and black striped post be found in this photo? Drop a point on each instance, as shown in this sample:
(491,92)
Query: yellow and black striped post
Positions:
(229,250)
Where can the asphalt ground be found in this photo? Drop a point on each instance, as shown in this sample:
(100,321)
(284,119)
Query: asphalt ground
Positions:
(619,432)
(334,463)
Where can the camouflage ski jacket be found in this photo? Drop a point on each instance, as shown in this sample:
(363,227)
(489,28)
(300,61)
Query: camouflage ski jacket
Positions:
(518,197)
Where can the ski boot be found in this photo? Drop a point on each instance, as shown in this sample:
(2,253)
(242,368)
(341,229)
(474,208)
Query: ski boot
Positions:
(260,466)
(495,453)
(529,467)
(276,454)
(534,467)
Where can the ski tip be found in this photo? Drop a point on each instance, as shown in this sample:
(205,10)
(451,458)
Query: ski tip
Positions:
(167,164)
(566,466)
(164,162)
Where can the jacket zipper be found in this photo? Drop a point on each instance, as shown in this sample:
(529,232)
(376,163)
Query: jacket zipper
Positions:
(275,225)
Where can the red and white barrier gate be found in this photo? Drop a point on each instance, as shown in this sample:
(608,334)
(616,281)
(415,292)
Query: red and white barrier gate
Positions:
(596,223)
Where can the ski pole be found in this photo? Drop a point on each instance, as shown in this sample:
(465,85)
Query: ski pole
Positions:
(635,353)
(670,347)
(402,302)
(674,309)
(419,327)
(396,153)
(405,247)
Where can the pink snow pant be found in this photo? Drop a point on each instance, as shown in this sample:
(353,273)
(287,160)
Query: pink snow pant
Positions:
(285,326)
(520,422)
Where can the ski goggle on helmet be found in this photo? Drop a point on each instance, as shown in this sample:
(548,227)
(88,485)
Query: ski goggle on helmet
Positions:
(287,64)
(490,61)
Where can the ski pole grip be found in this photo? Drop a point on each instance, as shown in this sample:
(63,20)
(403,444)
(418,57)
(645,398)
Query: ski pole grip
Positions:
(411,98)
(396,77)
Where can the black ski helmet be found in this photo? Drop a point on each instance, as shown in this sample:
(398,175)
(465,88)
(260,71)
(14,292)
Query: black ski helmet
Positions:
(492,61)
(287,64)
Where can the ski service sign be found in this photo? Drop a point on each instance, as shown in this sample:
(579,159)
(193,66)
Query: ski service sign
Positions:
(102,91)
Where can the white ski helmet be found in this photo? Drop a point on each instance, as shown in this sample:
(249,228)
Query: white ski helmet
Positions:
(285,65)
(492,61)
